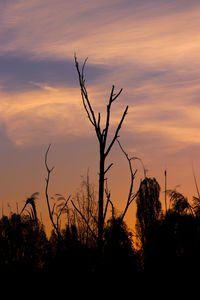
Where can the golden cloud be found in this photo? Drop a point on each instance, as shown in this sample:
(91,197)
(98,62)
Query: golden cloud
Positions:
(39,116)
(168,42)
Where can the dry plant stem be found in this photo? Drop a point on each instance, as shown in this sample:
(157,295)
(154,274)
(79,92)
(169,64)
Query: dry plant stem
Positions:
(46,192)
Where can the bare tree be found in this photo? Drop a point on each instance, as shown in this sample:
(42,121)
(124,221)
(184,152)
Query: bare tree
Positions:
(102,136)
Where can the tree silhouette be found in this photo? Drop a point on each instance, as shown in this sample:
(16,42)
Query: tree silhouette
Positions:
(102,136)
(119,252)
(23,244)
(148,207)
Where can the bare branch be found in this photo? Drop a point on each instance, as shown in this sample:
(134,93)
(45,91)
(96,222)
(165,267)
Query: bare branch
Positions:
(98,123)
(105,131)
(46,158)
(117,131)
(83,68)
(63,208)
(108,202)
(131,197)
(49,170)
(112,98)
(108,168)
(82,216)
(117,95)
(143,166)
(85,98)
(86,109)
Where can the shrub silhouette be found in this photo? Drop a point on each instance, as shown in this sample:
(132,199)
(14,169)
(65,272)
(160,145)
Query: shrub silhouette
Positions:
(22,244)
(120,256)
(170,243)
(173,245)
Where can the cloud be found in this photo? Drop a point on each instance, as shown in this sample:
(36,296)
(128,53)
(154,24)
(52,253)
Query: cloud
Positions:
(168,111)
(19,73)
(111,33)
(150,48)
(46,114)
(42,115)
(43,86)
(107,32)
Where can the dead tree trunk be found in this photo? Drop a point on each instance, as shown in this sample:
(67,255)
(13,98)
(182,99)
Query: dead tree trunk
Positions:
(102,135)
(101,200)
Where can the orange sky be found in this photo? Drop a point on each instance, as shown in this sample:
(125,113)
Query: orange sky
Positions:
(150,48)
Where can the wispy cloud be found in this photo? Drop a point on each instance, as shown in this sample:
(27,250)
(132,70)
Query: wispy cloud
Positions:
(46,114)
(114,31)
(44,86)
(41,115)
(150,48)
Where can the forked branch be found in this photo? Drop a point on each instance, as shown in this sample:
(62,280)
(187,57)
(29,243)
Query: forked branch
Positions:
(117,131)
(85,98)
(112,98)
(108,194)
(131,196)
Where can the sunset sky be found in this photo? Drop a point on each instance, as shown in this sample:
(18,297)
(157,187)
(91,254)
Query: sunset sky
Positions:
(150,48)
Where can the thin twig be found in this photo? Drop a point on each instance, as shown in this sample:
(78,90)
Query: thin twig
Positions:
(108,202)
(131,197)
(83,217)
(62,209)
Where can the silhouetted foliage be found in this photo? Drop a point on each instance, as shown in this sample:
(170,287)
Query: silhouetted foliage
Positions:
(170,240)
(22,244)
(173,245)
(119,253)
(180,203)
(148,208)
